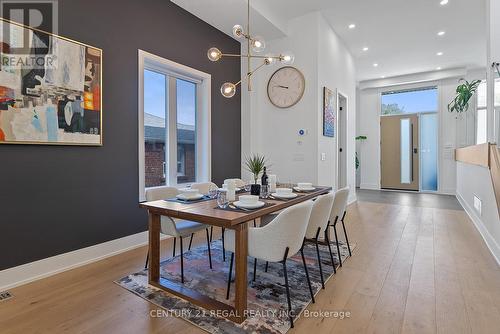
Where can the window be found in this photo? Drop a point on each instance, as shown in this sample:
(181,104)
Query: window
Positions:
(422,100)
(481,114)
(174,123)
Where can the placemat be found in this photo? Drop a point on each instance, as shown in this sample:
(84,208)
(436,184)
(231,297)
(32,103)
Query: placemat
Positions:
(235,209)
(177,200)
(286,199)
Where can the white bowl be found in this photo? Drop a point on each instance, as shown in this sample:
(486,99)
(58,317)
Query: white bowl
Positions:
(283,191)
(188,192)
(304,185)
(248,199)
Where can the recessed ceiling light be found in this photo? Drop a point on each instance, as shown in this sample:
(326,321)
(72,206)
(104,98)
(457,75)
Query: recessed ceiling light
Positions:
(441,33)
(352,26)
(443,2)
(439,68)
(365,48)
(375,65)
(439,54)
(383,77)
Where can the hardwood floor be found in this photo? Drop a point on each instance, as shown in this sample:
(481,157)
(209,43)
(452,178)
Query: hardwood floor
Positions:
(416,269)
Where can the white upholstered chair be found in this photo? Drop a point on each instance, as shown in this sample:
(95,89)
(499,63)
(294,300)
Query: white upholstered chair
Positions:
(176,228)
(338,213)
(203,187)
(318,226)
(279,240)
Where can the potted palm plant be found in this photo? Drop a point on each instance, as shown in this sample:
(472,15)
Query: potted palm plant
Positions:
(255,164)
(464,91)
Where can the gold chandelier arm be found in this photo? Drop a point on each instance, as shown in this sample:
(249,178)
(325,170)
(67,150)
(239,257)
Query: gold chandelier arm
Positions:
(246,56)
(256,69)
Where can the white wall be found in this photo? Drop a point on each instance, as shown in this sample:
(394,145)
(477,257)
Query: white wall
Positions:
(454,131)
(476,181)
(323,59)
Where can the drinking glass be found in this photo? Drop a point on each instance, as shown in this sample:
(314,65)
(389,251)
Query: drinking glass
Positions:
(264,191)
(248,186)
(212,191)
(222,200)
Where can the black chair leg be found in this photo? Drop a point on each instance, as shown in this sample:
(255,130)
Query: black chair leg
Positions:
(173,252)
(254,269)
(338,246)
(190,241)
(346,239)
(209,253)
(307,273)
(267,265)
(254,223)
(230,272)
(147,260)
(211,232)
(327,239)
(319,259)
(182,261)
(223,246)
(287,289)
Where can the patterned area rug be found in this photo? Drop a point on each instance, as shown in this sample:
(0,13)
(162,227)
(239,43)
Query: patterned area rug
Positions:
(267,303)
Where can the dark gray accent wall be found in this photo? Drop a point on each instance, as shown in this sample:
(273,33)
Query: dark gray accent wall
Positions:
(55,199)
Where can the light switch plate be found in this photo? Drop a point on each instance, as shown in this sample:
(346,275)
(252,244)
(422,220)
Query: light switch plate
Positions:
(323,156)
(478,204)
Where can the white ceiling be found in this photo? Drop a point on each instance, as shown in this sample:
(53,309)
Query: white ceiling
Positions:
(401,34)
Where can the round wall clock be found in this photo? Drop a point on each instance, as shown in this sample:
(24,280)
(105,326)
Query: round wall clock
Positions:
(286,87)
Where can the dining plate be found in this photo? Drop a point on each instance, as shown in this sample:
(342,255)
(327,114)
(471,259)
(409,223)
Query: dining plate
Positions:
(286,196)
(304,189)
(196,197)
(257,205)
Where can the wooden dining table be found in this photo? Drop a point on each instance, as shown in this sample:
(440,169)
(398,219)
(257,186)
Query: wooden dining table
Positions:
(208,213)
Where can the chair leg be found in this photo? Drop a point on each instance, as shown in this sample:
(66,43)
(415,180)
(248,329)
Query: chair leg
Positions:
(254,223)
(182,261)
(211,232)
(229,278)
(345,233)
(337,241)
(267,265)
(190,241)
(327,239)
(209,253)
(254,269)
(223,246)
(173,252)
(319,259)
(147,260)
(307,273)
(287,289)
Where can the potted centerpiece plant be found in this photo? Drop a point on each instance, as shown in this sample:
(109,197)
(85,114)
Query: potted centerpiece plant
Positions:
(464,91)
(255,164)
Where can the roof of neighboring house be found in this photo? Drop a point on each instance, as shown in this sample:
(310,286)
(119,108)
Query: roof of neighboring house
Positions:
(154,130)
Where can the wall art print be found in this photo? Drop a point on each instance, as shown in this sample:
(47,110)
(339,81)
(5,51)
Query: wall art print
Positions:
(50,88)
(329,101)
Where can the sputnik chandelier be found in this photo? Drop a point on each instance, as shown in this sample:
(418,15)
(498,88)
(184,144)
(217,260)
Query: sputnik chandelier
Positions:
(255,44)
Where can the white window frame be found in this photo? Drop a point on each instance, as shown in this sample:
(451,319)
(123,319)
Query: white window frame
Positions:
(203,118)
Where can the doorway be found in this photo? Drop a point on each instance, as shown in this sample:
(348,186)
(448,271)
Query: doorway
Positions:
(342,104)
(409,140)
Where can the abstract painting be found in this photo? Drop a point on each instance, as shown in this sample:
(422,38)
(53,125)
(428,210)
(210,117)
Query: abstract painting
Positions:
(329,101)
(50,88)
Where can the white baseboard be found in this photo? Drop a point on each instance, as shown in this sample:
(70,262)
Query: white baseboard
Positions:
(29,272)
(369,186)
(478,223)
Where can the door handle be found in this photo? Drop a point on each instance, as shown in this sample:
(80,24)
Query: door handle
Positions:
(415,150)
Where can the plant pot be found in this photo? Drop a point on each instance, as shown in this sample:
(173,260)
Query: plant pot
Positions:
(255,189)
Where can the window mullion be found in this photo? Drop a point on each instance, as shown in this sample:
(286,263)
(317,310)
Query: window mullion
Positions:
(172,130)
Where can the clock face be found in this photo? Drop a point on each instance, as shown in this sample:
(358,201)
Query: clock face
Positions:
(286,87)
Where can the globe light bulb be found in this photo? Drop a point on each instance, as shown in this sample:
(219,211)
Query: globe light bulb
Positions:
(228,90)
(270,59)
(258,44)
(214,54)
(287,58)
(238,31)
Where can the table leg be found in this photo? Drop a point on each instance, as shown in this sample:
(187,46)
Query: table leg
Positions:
(154,248)
(241,254)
